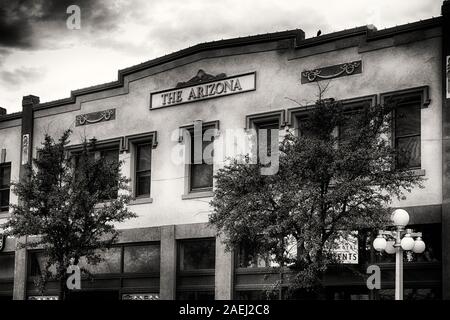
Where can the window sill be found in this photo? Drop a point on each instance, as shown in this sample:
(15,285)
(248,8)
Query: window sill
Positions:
(140,201)
(418,172)
(199,194)
(4,214)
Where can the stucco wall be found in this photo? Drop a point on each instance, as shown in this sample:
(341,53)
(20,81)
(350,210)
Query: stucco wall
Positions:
(277,81)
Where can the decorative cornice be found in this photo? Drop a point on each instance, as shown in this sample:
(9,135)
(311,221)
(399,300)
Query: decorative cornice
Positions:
(297,36)
(95,117)
(331,72)
(201,77)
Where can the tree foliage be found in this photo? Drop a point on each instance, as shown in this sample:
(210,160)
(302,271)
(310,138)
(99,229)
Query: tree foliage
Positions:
(327,185)
(68,204)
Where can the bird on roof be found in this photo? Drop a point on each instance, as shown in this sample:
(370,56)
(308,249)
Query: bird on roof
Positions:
(319,33)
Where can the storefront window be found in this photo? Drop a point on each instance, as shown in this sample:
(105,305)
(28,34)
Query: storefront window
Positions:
(110,262)
(197,254)
(6,266)
(38,262)
(141,259)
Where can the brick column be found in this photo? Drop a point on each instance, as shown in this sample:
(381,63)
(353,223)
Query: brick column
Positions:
(26,150)
(168,267)
(224,272)
(445,154)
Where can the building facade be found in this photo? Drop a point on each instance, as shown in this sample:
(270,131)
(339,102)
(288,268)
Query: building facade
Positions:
(169,251)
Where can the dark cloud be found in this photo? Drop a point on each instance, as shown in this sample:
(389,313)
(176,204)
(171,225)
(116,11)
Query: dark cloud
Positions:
(19,76)
(23,23)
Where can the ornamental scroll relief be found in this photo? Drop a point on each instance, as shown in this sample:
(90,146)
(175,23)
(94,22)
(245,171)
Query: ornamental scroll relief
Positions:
(95,117)
(336,71)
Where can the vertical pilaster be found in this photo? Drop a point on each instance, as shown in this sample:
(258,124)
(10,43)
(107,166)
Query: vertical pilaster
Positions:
(168,267)
(26,147)
(224,272)
(445,152)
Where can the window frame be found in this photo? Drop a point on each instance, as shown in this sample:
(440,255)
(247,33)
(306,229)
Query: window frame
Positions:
(100,146)
(190,193)
(403,97)
(136,171)
(5,209)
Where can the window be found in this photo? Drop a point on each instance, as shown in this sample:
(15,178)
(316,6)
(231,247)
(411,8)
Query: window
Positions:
(197,254)
(407,132)
(141,259)
(110,156)
(201,173)
(110,263)
(265,121)
(195,272)
(268,126)
(143,169)
(7,266)
(5,178)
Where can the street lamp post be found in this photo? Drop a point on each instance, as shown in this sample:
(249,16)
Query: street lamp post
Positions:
(399,240)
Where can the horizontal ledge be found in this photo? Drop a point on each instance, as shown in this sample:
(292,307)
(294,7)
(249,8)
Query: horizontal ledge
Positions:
(195,195)
(140,201)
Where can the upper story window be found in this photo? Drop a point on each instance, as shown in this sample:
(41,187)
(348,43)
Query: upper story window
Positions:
(5,178)
(143,169)
(110,156)
(406,132)
(267,126)
(201,174)
(199,162)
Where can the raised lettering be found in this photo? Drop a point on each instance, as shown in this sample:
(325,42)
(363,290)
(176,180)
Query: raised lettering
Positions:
(200,93)
(237,85)
(192,94)
(179,97)
(219,91)
(164,96)
(228,86)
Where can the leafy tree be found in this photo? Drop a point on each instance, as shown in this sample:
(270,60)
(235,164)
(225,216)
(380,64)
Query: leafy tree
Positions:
(62,204)
(327,186)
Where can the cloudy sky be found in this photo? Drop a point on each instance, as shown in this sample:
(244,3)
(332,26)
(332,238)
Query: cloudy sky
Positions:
(39,55)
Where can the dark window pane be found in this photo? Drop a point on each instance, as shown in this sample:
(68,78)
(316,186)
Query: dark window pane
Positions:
(198,254)
(248,259)
(5,176)
(141,259)
(38,261)
(4,200)
(143,183)
(109,264)
(111,156)
(269,126)
(144,157)
(407,120)
(408,150)
(6,266)
(201,176)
